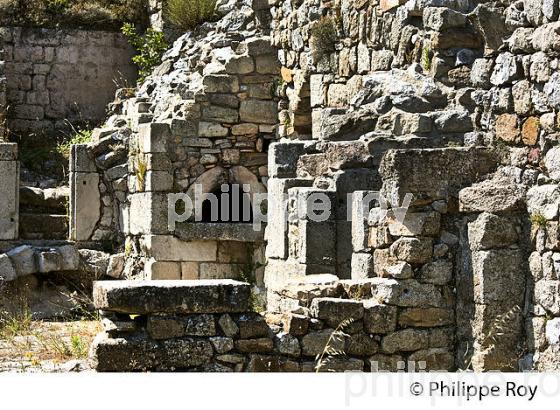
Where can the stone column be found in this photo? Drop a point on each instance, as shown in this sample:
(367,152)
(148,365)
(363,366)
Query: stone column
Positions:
(9,192)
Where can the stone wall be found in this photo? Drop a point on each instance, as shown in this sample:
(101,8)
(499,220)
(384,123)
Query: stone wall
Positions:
(210,326)
(209,123)
(362,79)
(453,103)
(54,76)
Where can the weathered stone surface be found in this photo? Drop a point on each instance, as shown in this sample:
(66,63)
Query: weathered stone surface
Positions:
(439,272)
(314,343)
(263,345)
(552,163)
(507,128)
(169,248)
(412,250)
(387,363)
(142,354)
(507,69)
(492,195)
(379,318)
(296,325)
(543,200)
(498,276)
(335,311)
(438,359)
(407,293)
(252,326)
(136,297)
(23,260)
(407,340)
(228,326)
(361,344)
(85,205)
(547,295)
(426,317)
(491,231)
(432,174)
(7,271)
(288,345)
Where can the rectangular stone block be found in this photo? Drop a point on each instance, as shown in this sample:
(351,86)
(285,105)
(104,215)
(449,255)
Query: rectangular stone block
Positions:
(155,270)
(169,248)
(158,181)
(9,196)
(334,311)
(153,137)
(179,297)
(276,230)
(81,159)
(148,213)
(85,205)
(283,158)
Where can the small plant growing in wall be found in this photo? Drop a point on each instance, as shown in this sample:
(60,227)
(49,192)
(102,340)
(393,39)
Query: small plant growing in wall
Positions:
(538,220)
(141,169)
(323,38)
(426,59)
(187,14)
(150,48)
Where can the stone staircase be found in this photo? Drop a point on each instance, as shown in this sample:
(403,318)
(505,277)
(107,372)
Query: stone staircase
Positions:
(43,213)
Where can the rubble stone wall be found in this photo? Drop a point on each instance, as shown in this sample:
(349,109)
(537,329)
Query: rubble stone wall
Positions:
(57,75)
(454,103)
(210,326)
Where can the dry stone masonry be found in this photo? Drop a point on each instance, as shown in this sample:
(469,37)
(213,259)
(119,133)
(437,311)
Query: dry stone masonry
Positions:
(445,114)
(55,76)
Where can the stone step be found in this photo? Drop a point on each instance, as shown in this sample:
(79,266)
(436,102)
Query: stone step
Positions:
(43,226)
(50,200)
(184,297)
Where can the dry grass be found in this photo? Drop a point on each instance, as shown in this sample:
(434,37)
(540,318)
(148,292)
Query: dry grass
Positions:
(39,346)
(73,13)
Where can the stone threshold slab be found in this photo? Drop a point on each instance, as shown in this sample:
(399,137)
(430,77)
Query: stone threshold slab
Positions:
(180,297)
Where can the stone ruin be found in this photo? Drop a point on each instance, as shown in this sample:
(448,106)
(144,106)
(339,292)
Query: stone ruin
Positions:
(452,106)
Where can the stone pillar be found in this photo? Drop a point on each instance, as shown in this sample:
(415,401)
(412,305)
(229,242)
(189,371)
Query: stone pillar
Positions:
(85,198)
(9,192)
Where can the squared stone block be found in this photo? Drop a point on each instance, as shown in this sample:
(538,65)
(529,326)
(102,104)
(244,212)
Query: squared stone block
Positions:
(148,213)
(85,205)
(177,297)
(334,311)
(155,270)
(158,181)
(9,200)
(169,248)
(153,137)
(81,159)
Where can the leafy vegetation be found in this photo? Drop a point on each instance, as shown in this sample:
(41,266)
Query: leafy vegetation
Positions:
(81,136)
(150,48)
(187,14)
(73,13)
(538,220)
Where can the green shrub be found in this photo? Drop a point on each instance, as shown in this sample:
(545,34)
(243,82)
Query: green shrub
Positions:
(187,14)
(323,38)
(150,48)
